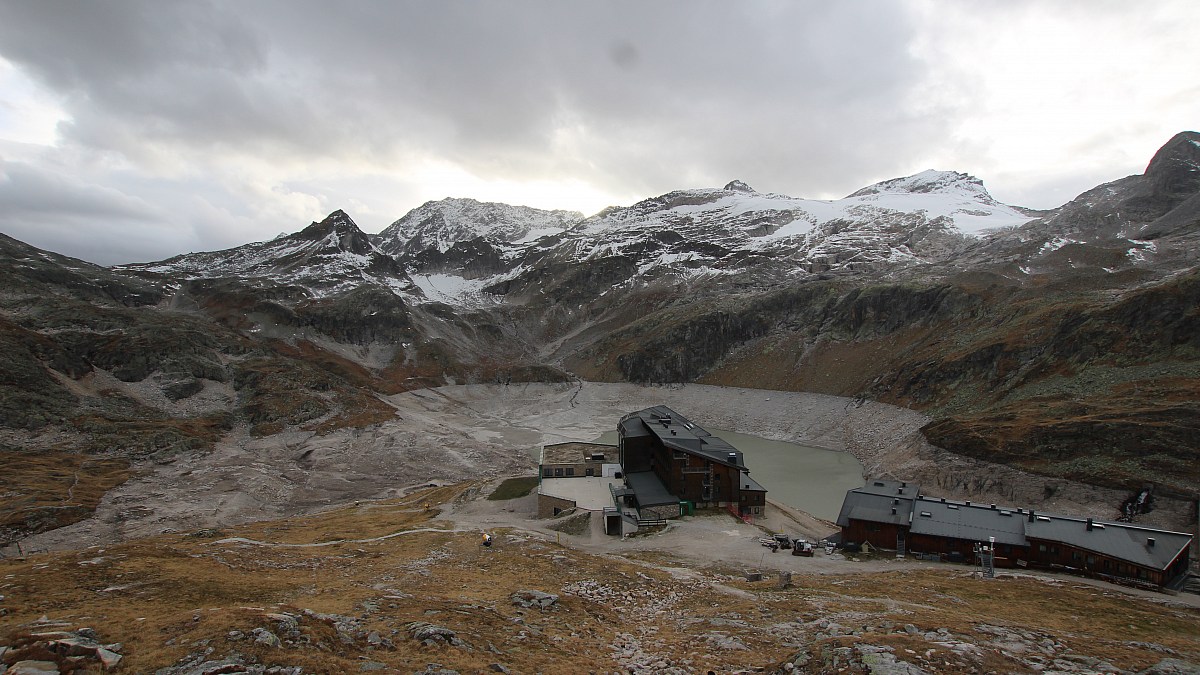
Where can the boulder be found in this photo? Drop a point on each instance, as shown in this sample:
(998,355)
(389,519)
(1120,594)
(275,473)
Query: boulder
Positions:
(33,668)
(532,598)
(433,635)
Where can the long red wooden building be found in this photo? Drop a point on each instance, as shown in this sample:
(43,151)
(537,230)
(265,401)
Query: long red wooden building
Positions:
(894,515)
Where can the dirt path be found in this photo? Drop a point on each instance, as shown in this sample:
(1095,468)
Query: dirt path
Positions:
(714,538)
(718,541)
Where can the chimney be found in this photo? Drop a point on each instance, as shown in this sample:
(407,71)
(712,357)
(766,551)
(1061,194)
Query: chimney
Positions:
(993,507)
(900,491)
(903,484)
(733,458)
(1089,524)
(895,501)
(943,500)
(968,502)
(1150,542)
(894,513)
(672,432)
(1031,515)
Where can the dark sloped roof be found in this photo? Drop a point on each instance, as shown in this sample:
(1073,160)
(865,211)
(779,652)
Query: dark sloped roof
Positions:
(972,523)
(633,427)
(1117,540)
(890,488)
(649,490)
(874,508)
(678,433)
(748,483)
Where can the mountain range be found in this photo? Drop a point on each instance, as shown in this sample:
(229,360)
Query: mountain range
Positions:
(1065,342)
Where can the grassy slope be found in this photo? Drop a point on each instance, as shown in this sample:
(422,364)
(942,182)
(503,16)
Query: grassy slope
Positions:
(170,596)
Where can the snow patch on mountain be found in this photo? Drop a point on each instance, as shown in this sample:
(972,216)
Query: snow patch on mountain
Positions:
(900,222)
(1054,244)
(959,200)
(456,290)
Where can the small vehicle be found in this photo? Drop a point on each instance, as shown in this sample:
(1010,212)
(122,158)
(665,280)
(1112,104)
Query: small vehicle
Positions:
(770,543)
(803,548)
(783,540)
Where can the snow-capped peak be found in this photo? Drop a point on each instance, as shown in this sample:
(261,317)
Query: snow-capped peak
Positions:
(338,232)
(441,224)
(737,186)
(950,182)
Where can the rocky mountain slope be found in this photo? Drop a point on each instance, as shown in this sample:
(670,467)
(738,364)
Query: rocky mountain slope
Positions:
(442,224)
(325,258)
(1063,342)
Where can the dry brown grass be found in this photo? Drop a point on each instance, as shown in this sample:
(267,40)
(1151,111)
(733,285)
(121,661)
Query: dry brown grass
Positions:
(169,596)
(44,490)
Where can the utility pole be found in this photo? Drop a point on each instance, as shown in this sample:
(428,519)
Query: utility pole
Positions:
(987,558)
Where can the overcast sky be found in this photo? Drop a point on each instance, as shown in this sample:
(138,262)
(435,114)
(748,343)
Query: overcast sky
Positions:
(133,131)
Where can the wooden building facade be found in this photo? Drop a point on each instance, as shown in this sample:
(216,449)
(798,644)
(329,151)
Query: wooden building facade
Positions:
(691,464)
(894,515)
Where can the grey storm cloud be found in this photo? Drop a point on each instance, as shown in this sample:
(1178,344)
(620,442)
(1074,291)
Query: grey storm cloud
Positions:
(33,194)
(215,121)
(111,225)
(661,90)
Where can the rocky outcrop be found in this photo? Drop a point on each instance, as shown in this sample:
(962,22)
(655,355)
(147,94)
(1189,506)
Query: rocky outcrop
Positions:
(1140,206)
(534,599)
(42,652)
(913,651)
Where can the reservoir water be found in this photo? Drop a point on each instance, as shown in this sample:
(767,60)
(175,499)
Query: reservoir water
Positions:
(802,477)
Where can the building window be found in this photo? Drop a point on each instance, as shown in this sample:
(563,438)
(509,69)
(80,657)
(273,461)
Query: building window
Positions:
(558,472)
(590,472)
(1042,548)
(547,472)
(570,471)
